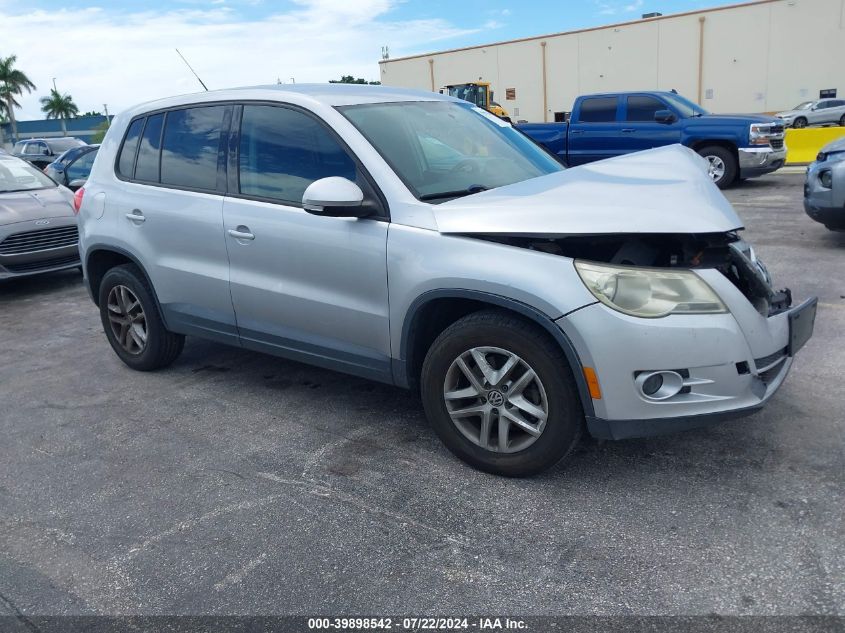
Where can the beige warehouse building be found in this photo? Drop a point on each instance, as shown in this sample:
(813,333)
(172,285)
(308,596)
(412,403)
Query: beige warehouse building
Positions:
(760,56)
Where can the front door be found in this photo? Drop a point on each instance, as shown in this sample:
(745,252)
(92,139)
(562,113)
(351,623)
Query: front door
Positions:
(305,287)
(640,131)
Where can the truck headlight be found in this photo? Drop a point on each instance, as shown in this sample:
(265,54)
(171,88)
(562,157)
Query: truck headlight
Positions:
(760,134)
(649,292)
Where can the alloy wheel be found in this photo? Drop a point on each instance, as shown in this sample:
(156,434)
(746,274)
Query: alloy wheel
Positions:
(496,399)
(127,319)
(717,168)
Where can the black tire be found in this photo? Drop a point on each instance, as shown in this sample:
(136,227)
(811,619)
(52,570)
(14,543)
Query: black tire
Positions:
(842,121)
(565,422)
(800,122)
(162,347)
(728,158)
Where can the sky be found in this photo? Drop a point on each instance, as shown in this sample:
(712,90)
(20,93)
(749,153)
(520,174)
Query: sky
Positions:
(122,53)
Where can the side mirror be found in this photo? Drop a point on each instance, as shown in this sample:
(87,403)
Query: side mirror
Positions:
(73,185)
(335,197)
(45,152)
(664,116)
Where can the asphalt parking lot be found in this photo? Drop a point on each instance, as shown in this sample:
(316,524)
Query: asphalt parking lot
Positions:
(239,483)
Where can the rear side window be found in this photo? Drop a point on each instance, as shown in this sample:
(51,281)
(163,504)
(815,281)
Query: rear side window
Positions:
(81,168)
(642,108)
(598,110)
(282,151)
(190,147)
(126,162)
(148,153)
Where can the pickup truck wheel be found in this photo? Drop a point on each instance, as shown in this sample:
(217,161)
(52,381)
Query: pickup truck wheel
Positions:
(132,323)
(799,122)
(723,167)
(499,393)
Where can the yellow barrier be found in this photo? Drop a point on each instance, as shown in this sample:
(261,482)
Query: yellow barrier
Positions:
(803,145)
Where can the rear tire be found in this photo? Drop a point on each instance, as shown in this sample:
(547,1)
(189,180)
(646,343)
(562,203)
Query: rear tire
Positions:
(723,165)
(842,121)
(132,322)
(517,442)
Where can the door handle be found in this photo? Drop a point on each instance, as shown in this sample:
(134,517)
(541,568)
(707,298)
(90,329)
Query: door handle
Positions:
(628,130)
(136,216)
(241,233)
(576,131)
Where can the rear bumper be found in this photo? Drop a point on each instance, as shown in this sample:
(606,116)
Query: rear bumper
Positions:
(756,161)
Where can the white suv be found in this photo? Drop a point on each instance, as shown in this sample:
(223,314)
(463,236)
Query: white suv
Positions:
(415,239)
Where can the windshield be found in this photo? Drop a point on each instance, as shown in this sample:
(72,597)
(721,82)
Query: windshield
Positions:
(804,106)
(686,107)
(17,175)
(443,150)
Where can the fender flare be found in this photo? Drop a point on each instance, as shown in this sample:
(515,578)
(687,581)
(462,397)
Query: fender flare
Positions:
(400,365)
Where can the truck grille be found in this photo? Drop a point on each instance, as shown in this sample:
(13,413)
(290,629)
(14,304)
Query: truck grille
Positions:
(777,143)
(34,241)
(44,264)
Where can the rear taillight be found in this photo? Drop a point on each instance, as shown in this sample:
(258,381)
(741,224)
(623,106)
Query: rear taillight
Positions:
(77,199)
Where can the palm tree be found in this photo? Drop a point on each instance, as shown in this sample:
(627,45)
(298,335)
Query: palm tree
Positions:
(59,106)
(12,82)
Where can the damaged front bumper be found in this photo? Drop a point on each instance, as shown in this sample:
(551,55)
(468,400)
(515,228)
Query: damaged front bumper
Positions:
(726,365)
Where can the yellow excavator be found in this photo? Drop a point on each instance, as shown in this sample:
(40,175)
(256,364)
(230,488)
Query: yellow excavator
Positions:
(479,94)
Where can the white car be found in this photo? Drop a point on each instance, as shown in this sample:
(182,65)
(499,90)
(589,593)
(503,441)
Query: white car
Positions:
(821,112)
(412,238)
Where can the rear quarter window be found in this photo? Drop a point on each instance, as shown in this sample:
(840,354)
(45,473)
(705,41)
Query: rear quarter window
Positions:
(126,160)
(149,153)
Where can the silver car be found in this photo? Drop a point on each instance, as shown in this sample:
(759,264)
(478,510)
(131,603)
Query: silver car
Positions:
(820,112)
(412,238)
(38,230)
(824,186)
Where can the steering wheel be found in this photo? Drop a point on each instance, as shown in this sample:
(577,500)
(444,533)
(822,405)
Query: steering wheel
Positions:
(466,166)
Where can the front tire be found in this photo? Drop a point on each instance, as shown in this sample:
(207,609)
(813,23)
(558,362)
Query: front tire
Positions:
(499,393)
(799,123)
(842,121)
(723,165)
(132,323)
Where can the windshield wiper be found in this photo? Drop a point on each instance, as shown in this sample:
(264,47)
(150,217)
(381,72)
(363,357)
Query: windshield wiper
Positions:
(455,194)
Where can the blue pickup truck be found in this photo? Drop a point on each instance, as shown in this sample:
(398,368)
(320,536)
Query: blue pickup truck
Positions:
(605,125)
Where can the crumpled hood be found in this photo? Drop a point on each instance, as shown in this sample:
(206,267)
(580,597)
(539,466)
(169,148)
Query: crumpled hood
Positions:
(663,190)
(21,206)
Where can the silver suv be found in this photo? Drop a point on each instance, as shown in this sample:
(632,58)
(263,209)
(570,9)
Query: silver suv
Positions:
(414,239)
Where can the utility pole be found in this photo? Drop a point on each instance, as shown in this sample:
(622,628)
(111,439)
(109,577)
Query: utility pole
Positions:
(106,108)
(54,85)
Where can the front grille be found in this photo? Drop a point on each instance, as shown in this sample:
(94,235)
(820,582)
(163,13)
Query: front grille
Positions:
(34,241)
(44,264)
(771,358)
(777,143)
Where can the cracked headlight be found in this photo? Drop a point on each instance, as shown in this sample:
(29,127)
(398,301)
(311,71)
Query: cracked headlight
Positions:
(649,292)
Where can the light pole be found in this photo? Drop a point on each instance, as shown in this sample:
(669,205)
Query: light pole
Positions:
(106,108)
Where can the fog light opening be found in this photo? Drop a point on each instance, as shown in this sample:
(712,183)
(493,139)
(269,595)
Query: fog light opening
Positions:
(659,385)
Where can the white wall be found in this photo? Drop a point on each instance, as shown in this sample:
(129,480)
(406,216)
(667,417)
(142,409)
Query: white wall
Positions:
(762,57)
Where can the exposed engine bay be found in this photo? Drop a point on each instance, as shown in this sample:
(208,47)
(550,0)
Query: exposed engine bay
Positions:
(726,252)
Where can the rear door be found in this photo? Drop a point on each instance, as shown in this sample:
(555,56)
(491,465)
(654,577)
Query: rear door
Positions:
(594,134)
(307,287)
(170,214)
(640,131)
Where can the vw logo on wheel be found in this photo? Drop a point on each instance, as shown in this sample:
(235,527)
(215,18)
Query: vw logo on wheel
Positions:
(496,398)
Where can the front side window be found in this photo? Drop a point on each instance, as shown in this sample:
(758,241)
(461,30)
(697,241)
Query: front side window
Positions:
(148,153)
(642,108)
(81,168)
(190,147)
(126,161)
(598,110)
(282,151)
(443,149)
